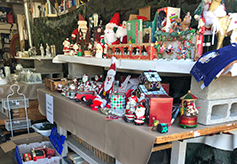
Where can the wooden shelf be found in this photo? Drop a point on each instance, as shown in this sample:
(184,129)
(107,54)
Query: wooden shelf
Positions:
(83,152)
(173,66)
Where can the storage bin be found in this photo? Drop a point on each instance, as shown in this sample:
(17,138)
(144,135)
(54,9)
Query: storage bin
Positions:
(37,127)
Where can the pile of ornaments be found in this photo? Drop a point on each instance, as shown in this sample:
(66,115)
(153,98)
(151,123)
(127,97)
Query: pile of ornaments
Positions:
(77,86)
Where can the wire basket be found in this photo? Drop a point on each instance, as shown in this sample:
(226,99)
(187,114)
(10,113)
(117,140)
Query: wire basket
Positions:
(17,124)
(15,103)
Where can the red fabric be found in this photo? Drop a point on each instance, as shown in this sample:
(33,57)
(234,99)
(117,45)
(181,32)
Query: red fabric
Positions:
(141,17)
(116,42)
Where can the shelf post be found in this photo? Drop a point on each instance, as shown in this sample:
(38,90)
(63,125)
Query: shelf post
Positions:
(178,152)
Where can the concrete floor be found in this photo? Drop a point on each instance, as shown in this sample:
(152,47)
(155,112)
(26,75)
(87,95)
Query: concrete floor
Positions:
(5,158)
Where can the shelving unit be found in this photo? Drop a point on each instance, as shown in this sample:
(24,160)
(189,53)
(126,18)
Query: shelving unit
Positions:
(172,66)
(83,152)
(7,26)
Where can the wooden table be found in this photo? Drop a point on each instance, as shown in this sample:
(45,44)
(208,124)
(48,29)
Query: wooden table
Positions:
(111,136)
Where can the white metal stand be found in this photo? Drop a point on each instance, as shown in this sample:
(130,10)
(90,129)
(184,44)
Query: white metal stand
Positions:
(15,103)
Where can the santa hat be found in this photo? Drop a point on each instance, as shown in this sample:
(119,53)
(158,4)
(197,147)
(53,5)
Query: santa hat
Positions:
(102,45)
(134,98)
(112,69)
(81,20)
(141,107)
(199,9)
(115,20)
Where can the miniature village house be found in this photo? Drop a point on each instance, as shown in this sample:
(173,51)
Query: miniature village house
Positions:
(150,84)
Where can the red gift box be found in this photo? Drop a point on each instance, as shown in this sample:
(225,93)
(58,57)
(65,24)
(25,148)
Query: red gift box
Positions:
(50,152)
(158,107)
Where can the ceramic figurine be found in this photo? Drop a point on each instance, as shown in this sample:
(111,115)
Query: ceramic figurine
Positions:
(109,34)
(48,53)
(188,111)
(169,49)
(82,28)
(130,109)
(59,88)
(66,47)
(140,115)
(107,86)
(41,50)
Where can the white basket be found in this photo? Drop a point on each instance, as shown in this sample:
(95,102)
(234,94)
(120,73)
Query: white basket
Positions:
(37,126)
(15,103)
(17,124)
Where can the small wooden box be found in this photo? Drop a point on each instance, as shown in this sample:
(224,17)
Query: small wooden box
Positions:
(52,84)
(159,107)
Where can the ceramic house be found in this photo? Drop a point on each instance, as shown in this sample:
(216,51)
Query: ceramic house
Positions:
(149,84)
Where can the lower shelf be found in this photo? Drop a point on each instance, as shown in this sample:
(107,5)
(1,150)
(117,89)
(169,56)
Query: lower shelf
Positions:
(83,152)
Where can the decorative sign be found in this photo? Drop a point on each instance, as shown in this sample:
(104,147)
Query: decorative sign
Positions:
(49,108)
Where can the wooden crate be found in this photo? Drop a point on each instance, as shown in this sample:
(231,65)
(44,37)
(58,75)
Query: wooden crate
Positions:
(52,84)
(103,156)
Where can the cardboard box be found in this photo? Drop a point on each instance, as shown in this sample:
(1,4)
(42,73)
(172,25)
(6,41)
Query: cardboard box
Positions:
(24,144)
(22,139)
(171,14)
(134,31)
(146,12)
(151,25)
(158,107)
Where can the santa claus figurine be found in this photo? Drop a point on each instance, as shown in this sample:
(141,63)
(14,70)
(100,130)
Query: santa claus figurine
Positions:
(130,109)
(99,50)
(121,33)
(140,115)
(82,26)
(109,34)
(66,47)
(108,85)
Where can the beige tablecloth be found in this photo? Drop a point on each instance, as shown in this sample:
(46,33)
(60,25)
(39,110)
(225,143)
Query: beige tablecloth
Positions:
(128,143)
(30,90)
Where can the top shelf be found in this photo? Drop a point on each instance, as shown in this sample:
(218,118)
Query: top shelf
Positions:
(7,26)
(164,66)
(35,58)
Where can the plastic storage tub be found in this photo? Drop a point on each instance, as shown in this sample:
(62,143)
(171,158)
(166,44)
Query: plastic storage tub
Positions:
(37,126)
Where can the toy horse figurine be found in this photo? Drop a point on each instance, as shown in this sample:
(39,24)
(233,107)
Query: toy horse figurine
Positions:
(216,17)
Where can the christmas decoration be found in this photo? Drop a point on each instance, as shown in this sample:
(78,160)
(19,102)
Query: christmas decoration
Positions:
(66,47)
(188,111)
(109,34)
(82,28)
(121,33)
(199,42)
(130,109)
(139,115)
(107,86)
(162,128)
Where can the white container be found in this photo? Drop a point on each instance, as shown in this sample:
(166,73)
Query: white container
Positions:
(37,126)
